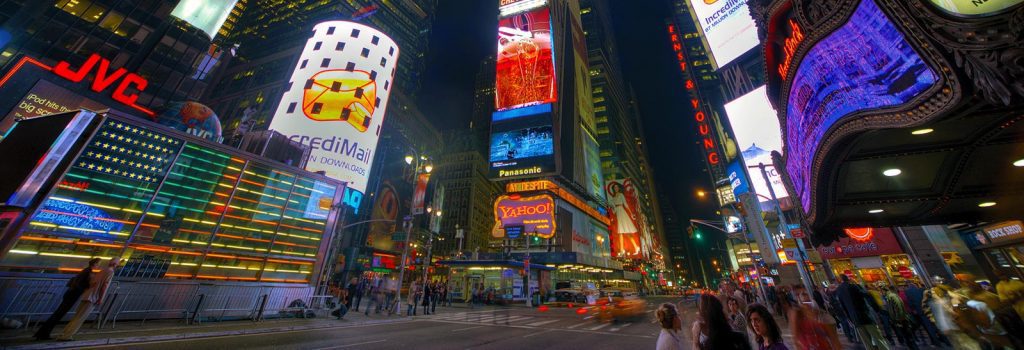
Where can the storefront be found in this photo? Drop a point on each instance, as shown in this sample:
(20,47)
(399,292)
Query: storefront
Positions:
(1001,247)
(870,256)
(503,279)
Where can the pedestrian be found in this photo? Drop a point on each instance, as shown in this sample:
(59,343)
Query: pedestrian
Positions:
(711,330)
(805,321)
(941,304)
(76,286)
(91,298)
(342,295)
(427,295)
(361,290)
(855,301)
(372,293)
(411,299)
(1011,292)
(915,303)
(766,331)
(671,337)
(899,318)
(840,313)
(352,287)
(737,318)
(437,295)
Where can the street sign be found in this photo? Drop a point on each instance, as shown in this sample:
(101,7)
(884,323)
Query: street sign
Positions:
(514,231)
(793,226)
(796,233)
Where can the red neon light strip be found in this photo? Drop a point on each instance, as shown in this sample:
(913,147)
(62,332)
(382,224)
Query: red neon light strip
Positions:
(24,60)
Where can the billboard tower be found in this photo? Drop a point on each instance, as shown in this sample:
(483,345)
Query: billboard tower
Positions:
(336,98)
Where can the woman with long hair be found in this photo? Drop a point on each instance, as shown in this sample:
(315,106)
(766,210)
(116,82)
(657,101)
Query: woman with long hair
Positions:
(766,331)
(671,338)
(711,330)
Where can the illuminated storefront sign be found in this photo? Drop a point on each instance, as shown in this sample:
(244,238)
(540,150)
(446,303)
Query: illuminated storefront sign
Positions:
(536,214)
(865,64)
(336,99)
(703,126)
(796,37)
(82,218)
(525,73)
(728,28)
(1005,231)
(861,242)
(546,185)
(975,7)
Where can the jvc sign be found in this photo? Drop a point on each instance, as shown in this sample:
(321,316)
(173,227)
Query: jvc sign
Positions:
(104,79)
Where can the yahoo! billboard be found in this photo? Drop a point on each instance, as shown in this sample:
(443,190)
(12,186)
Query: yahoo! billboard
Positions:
(535,214)
(865,64)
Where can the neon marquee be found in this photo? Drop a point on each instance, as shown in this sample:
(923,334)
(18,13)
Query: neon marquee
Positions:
(789,48)
(703,127)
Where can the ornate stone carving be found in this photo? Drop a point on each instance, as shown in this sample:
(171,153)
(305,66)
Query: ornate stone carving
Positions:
(816,11)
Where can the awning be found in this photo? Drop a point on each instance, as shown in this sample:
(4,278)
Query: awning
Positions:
(493,263)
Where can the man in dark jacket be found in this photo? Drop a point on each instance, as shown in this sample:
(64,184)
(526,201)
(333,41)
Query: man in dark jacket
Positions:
(76,286)
(855,301)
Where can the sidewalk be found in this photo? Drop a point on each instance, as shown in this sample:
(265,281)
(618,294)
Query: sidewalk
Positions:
(128,332)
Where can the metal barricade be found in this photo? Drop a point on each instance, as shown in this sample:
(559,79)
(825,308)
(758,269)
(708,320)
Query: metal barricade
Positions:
(34,299)
(155,299)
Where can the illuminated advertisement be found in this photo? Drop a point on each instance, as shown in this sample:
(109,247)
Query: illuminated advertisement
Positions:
(975,7)
(628,223)
(737,178)
(756,126)
(727,26)
(336,99)
(525,63)
(595,177)
(46,98)
(535,214)
(192,118)
(865,64)
(84,217)
(206,15)
(420,193)
(510,7)
(861,242)
(522,146)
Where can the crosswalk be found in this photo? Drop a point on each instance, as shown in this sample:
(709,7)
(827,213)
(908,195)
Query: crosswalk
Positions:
(550,323)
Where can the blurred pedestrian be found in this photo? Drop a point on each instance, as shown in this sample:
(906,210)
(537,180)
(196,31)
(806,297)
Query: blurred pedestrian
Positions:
(671,337)
(805,321)
(411,298)
(942,303)
(856,302)
(76,286)
(840,314)
(899,318)
(427,295)
(362,289)
(437,295)
(916,305)
(766,331)
(352,287)
(737,319)
(711,330)
(1011,292)
(91,298)
(341,294)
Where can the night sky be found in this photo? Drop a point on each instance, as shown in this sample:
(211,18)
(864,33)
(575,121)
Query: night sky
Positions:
(464,33)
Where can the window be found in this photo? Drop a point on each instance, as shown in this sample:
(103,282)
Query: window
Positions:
(355,33)
(339,47)
(316,46)
(303,65)
(365,52)
(330,30)
(350,66)
(375,40)
(325,63)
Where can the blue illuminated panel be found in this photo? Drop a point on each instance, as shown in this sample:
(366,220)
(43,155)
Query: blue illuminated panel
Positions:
(865,64)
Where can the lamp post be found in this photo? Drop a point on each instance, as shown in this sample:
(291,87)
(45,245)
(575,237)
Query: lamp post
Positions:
(430,246)
(420,161)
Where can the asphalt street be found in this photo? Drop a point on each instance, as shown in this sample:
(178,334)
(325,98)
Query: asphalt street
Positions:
(512,328)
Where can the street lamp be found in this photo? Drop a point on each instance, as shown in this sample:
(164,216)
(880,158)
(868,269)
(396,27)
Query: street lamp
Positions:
(418,162)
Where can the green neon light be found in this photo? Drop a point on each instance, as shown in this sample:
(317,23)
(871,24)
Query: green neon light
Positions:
(221,155)
(118,184)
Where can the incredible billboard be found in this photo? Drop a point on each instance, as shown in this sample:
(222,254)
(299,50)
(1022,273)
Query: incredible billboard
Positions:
(756,126)
(523,145)
(336,98)
(728,29)
(865,64)
(525,72)
(536,215)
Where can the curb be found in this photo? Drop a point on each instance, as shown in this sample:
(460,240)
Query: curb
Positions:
(197,335)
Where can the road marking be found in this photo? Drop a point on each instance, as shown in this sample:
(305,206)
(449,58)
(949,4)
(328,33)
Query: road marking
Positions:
(538,333)
(577,325)
(600,326)
(624,325)
(348,345)
(588,317)
(541,323)
(519,318)
(466,329)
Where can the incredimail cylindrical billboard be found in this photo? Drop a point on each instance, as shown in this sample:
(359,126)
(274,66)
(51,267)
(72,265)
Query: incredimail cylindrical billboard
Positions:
(336,97)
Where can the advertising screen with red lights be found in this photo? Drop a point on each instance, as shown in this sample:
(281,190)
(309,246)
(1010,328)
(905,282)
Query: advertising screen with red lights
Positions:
(536,215)
(525,62)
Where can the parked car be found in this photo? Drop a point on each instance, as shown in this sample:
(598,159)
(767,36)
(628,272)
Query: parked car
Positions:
(570,295)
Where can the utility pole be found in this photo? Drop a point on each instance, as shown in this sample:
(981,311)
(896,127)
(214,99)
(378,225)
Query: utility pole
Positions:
(804,274)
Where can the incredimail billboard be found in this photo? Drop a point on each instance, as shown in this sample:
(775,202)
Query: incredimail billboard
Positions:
(728,29)
(336,97)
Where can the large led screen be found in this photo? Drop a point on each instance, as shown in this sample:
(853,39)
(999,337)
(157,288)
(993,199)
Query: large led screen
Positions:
(628,221)
(756,126)
(865,64)
(336,97)
(525,64)
(522,146)
(727,26)
(206,15)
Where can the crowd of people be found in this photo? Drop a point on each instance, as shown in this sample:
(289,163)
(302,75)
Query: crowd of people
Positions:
(381,296)
(969,316)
